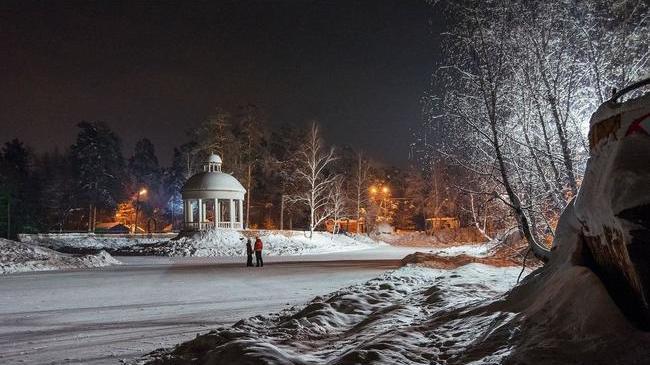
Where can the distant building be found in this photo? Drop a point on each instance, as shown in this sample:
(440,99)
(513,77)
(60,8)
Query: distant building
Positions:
(437,224)
(213,199)
(112,228)
(346,225)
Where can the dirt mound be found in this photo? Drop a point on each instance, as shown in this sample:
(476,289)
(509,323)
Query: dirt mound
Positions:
(452,262)
(446,237)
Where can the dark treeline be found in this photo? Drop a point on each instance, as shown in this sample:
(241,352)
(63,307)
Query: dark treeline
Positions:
(92,181)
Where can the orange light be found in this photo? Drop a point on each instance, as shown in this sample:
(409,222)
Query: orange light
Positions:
(143,191)
(373,190)
(385,190)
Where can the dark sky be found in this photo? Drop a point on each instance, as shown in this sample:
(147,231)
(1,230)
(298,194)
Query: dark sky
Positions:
(156,69)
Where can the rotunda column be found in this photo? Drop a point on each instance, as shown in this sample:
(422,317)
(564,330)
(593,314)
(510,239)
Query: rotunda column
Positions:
(190,213)
(232,213)
(200,215)
(241,214)
(217,213)
(187,210)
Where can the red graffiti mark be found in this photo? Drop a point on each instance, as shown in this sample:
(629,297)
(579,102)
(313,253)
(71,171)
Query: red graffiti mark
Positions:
(641,125)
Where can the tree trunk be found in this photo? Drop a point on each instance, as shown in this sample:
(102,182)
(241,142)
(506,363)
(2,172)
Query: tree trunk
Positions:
(539,251)
(248,199)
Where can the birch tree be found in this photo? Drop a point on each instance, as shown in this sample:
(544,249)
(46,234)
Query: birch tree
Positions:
(312,171)
(338,202)
(361,177)
(519,83)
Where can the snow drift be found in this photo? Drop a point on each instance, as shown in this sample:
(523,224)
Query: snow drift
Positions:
(89,242)
(412,315)
(223,242)
(21,257)
(215,242)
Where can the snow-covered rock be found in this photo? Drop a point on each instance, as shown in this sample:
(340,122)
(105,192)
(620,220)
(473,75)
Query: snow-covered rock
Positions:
(613,205)
(21,257)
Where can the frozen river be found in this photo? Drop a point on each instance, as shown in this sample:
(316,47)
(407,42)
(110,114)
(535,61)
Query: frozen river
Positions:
(104,315)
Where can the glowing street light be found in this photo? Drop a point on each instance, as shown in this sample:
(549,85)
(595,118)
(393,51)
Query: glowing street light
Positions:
(142,191)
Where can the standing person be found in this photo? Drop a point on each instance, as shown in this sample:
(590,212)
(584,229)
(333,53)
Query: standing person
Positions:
(258,252)
(249,252)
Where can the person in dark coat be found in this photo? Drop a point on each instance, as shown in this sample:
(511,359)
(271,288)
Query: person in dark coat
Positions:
(249,252)
(258,252)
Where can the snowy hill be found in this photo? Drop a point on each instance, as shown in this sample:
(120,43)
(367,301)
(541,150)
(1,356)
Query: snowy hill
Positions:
(218,242)
(276,243)
(21,257)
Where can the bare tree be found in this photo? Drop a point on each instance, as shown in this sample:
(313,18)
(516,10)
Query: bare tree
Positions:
(338,202)
(314,160)
(520,82)
(361,177)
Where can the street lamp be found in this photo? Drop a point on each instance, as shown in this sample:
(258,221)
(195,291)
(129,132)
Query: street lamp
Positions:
(380,194)
(142,191)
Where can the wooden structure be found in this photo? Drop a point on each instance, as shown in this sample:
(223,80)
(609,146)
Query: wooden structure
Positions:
(111,228)
(439,223)
(345,225)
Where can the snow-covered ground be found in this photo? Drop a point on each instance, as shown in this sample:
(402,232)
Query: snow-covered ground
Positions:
(412,315)
(100,316)
(22,257)
(219,242)
(103,315)
(475,250)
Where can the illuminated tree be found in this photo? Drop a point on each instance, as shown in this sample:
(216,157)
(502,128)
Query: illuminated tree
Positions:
(314,159)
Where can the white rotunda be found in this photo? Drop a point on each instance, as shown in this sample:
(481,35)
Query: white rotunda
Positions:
(213,199)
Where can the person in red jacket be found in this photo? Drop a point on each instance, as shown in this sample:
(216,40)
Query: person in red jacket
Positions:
(258,252)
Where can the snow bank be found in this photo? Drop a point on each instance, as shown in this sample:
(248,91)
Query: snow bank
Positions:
(474,250)
(79,242)
(440,238)
(413,315)
(21,257)
(223,242)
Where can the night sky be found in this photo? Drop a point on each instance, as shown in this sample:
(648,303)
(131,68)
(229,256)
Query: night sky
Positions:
(157,69)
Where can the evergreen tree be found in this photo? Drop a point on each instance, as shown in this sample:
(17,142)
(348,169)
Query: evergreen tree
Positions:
(143,166)
(98,167)
(60,197)
(249,133)
(174,178)
(19,192)
(145,175)
(215,136)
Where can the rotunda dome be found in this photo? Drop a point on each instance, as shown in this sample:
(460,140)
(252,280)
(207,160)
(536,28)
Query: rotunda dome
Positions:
(213,183)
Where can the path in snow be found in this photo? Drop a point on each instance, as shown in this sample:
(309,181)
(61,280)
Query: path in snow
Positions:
(122,312)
